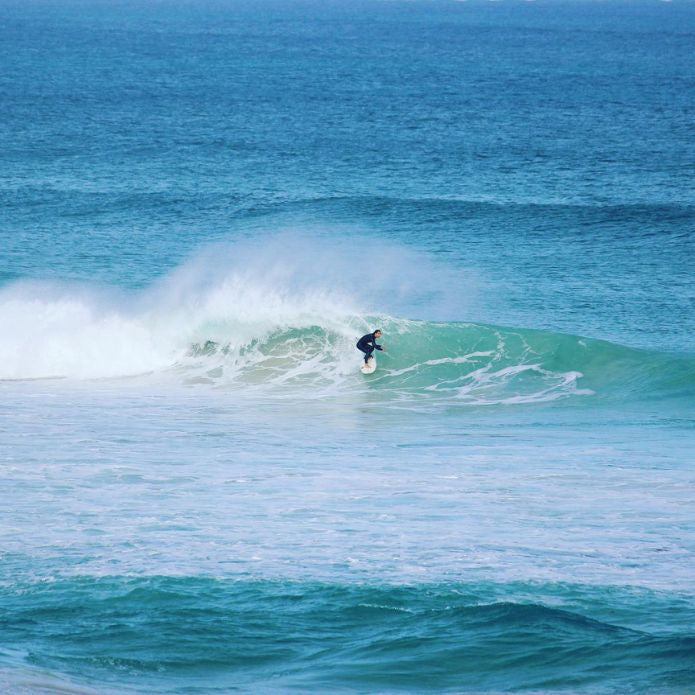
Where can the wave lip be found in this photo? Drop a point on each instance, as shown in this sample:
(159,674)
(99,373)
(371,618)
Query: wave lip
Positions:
(268,339)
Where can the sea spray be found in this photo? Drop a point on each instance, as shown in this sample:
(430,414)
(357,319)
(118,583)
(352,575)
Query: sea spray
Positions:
(237,294)
(242,331)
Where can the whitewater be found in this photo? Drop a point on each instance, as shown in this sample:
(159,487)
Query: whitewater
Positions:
(248,319)
(205,448)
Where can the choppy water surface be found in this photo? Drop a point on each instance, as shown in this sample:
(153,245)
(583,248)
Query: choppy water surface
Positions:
(205,205)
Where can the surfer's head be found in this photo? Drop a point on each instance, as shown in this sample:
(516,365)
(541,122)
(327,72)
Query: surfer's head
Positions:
(377,333)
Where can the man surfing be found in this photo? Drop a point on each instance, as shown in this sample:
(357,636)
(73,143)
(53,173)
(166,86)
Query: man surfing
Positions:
(367,344)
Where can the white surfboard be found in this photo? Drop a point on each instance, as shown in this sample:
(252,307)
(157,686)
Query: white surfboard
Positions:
(370,367)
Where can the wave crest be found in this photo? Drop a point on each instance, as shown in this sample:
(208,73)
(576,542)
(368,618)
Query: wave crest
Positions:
(289,329)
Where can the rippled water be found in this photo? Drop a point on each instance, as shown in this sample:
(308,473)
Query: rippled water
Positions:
(205,206)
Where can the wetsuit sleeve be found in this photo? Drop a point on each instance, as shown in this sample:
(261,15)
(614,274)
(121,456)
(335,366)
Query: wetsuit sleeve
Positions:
(378,347)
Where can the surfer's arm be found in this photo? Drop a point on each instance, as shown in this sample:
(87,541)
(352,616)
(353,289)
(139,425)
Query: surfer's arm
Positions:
(378,347)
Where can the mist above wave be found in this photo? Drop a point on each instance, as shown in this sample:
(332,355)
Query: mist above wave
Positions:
(237,293)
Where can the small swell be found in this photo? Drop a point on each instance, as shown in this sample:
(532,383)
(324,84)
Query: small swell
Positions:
(162,633)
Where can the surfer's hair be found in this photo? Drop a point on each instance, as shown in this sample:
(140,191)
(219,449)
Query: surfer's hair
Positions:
(378,330)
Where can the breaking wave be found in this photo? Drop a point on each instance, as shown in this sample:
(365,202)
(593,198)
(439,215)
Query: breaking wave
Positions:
(277,328)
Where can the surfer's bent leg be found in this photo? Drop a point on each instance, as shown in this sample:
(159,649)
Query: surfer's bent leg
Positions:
(367,354)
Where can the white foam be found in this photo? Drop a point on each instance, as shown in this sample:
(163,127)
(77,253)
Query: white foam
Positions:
(233,295)
(280,317)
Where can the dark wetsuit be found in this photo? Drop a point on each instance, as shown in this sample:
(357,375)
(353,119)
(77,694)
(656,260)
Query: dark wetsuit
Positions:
(367,344)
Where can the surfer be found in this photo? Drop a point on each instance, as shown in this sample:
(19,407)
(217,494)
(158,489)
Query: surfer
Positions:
(367,344)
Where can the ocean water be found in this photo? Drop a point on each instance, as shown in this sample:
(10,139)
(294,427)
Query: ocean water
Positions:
(205,204)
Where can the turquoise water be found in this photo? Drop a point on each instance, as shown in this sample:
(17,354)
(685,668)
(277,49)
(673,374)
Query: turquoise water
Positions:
(204,205)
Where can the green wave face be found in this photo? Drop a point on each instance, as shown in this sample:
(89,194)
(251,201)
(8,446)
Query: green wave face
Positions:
(457,363)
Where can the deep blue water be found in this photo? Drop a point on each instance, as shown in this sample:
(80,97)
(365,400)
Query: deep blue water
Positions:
(204,205)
